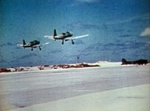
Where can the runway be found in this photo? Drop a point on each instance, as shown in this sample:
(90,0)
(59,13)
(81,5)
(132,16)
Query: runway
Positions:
(24,89)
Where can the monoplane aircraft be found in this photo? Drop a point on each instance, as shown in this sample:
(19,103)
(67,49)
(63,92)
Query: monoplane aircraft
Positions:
(31,44)
(65,36)
(139,62)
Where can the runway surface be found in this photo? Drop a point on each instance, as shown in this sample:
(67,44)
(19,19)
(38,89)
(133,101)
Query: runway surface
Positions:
(23,89)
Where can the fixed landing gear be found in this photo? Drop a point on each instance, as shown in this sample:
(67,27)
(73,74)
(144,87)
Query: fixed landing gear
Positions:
(67,40)
(62,42)
(72,42)
(40,48)
(36,47)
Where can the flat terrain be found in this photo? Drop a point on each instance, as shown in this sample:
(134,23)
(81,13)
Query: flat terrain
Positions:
(20,90)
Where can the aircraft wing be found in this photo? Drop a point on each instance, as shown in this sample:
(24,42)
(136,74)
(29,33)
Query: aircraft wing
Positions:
(46,43)
(49,37)
(77,37)
(21,45)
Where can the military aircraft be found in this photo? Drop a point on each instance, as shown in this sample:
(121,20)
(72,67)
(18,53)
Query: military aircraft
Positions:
(139,62)
(65,36)
(31,44)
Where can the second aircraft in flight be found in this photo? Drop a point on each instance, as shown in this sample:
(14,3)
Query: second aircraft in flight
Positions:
(65,36)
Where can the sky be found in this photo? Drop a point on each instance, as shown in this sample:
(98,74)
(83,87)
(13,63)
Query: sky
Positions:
(117,29)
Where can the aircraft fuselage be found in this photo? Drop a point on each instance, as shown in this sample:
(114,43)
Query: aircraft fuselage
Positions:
(139,62)
(63,36)
(32,44)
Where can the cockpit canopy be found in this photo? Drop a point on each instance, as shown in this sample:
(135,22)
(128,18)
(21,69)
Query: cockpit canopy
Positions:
(34,42)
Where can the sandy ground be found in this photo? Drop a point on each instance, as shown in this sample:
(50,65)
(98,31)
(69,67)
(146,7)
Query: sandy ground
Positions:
(126,99)
(113,88)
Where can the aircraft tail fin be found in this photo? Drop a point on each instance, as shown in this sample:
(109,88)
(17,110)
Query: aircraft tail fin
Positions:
(124,61)
(55,33)
(23,42)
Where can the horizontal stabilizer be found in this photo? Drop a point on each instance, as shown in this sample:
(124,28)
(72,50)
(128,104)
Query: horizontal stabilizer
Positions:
(49,37)
(20,45)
